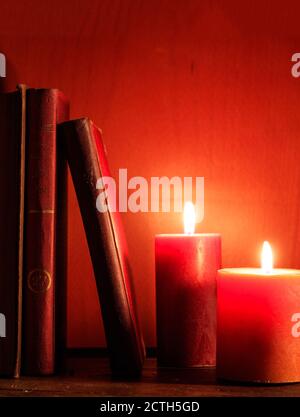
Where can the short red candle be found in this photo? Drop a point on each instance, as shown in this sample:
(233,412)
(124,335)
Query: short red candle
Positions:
(186,270)
(258,325)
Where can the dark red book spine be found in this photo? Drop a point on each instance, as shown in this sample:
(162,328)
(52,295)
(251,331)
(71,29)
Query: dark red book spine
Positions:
(45,108)
(12,174)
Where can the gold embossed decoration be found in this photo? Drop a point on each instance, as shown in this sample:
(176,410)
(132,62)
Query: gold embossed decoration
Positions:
(39,280)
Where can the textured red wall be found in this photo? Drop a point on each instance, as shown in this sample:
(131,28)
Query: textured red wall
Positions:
(179,87)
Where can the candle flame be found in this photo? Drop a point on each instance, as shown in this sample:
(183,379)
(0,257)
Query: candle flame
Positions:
(189,218)
(266,258)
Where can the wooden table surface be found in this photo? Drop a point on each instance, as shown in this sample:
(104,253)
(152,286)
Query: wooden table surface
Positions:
(91,377)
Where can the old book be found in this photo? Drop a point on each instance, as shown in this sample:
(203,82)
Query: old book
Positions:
(45,108)
(88,163)
(12,174)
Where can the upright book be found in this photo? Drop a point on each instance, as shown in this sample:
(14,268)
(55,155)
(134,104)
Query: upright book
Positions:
(43,267)
(12,176)
(88,164)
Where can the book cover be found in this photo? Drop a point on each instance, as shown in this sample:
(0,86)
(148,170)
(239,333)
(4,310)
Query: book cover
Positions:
(12,175)
(45,108)
(88,163)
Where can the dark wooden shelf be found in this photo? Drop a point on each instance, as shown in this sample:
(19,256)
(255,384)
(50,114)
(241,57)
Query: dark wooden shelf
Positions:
(91,377)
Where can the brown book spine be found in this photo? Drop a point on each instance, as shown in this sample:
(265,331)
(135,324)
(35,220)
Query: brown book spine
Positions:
(12,177)
(87,160)
(43,113)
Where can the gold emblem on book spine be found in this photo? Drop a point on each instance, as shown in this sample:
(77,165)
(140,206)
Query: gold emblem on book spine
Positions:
(39,280)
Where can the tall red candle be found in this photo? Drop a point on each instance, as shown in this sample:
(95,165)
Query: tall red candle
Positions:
(186,270)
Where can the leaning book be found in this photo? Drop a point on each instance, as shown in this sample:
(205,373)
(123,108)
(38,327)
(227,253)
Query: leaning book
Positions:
(86,157)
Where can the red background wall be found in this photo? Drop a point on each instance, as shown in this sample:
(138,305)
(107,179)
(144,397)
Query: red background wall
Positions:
(179,87)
